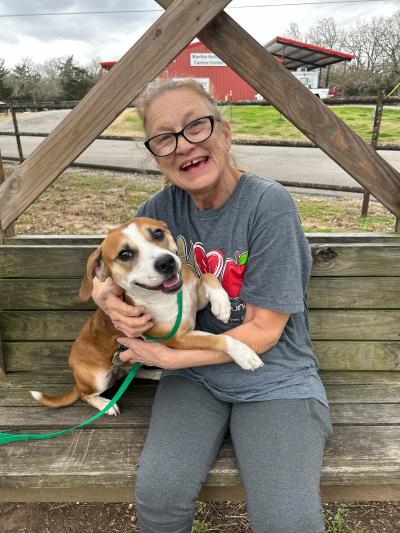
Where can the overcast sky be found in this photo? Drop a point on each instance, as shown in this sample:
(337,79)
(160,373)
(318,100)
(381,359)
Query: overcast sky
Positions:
(108,36)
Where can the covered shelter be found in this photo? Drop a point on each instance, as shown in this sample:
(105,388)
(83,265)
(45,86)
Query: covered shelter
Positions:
(294,54)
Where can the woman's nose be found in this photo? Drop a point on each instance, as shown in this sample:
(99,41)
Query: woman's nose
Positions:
(183,145)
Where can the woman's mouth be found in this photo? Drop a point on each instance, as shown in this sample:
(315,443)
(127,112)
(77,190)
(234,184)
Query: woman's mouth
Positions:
(194,164)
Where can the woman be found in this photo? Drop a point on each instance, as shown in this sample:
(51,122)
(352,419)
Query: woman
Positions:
(245,230)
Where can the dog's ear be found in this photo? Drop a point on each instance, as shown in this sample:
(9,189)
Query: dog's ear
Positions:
(95,267)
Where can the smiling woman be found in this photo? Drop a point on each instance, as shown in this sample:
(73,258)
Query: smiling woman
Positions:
(245,231)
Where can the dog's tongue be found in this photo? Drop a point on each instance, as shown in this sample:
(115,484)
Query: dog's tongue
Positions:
(171,282)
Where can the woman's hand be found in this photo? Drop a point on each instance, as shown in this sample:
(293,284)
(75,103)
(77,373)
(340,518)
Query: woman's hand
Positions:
(132,320)
(147,353)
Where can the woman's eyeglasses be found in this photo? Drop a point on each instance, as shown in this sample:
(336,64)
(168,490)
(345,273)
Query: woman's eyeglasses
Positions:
(195,132)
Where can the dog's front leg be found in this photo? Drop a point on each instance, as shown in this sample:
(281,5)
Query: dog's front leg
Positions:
(209,289)
(244,356)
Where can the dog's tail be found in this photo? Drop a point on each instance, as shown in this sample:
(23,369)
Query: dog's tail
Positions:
(57,401)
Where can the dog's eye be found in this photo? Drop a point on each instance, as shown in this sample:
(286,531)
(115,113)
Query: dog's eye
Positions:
(126,255)
(158,234)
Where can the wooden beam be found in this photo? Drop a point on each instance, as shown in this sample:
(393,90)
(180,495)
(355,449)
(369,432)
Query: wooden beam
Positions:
(299,105)
(141,64)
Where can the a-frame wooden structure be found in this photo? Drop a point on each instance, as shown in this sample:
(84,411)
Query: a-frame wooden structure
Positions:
(182,21)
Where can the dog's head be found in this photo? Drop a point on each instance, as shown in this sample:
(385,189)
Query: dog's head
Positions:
(138,255)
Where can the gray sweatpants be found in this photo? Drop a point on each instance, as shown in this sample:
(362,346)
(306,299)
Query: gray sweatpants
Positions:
(278,445)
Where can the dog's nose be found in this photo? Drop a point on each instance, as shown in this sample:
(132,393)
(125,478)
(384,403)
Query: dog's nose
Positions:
(165,264)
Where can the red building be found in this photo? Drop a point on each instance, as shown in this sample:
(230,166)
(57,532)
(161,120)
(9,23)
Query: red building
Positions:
(198,62)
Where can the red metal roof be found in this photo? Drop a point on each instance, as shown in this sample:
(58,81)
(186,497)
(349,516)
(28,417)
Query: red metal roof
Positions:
(298,54)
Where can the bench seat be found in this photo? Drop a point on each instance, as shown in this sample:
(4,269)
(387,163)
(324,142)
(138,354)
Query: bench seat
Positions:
(354,301)
(98,462)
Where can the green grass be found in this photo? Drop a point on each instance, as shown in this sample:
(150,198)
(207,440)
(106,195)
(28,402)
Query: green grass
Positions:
(83,201)
(266,122)
(337,523)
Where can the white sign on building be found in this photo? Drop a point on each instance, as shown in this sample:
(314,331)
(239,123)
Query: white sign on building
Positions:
(206,59)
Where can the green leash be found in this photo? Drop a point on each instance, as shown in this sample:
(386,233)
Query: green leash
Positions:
(5,438)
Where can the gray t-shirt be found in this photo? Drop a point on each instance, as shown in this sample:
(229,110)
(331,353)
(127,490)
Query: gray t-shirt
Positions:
(255,245)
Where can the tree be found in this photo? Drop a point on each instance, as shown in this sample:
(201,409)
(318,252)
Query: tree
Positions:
(75,80)
(5,91)
(25,80)
(293,32)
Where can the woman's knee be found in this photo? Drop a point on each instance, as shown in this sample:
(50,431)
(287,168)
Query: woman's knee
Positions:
(161,491)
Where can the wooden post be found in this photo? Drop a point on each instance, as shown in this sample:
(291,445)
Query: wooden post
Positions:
(397,227)
(10,231)
(17,135)
(374,142)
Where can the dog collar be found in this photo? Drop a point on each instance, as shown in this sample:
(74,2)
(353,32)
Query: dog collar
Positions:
(177,321)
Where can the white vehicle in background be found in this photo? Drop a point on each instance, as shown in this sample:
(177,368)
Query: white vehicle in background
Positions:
(310,78)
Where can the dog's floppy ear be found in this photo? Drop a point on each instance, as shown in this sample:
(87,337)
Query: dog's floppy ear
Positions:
(95,267)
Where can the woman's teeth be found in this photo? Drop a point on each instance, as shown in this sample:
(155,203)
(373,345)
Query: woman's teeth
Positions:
(193,162)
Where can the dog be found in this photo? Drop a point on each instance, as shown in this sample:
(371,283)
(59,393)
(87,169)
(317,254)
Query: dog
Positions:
(141,257)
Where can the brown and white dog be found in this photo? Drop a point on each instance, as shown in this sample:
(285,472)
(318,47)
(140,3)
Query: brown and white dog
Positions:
(141,257)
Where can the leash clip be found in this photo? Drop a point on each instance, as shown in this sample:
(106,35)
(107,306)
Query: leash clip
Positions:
(116,361)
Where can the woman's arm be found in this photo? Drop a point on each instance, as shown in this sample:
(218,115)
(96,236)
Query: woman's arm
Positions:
(261,330)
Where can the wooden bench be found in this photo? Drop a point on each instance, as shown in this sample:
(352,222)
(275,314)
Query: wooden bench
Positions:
(354,298)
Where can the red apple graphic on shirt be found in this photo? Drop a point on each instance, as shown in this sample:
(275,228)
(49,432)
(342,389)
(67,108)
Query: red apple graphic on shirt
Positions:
(211,262)
(232,277)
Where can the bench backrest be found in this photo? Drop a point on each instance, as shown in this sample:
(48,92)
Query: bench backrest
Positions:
(354,300)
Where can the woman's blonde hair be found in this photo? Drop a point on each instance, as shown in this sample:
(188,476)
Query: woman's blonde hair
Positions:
(161,86)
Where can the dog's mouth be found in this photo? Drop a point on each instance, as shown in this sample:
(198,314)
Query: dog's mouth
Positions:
(171,285)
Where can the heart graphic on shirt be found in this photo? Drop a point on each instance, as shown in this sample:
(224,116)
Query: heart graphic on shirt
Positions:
(211,262)
(232,278)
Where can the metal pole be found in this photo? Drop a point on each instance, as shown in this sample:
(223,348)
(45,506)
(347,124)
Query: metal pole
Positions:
(17,135)
(374,142)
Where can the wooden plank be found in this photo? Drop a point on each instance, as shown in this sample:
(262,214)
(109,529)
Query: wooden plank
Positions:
(329,493)
(43,261)
(161,43)
(94,240)
(89,458)
(311,116)
(363,377)
(324,292)
(37,355)
(45,420)
(43,294)
(42,325)
(365,414)
(355,355)
(370,259)
(379,324)
(388,393)
(372,325)
(332,355)
(354,292)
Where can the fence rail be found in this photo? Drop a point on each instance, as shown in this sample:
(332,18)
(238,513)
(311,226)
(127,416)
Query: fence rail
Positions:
(342,100)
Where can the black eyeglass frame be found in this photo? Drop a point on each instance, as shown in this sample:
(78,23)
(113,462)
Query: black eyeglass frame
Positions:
(177,134)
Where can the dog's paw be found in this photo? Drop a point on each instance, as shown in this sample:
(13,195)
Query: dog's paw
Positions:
(113,411)
(100,403)
(244,356)
(220,305)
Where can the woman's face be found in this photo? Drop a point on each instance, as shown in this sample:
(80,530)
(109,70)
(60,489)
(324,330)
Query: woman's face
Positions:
(195,168)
